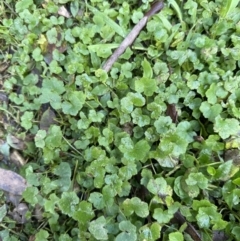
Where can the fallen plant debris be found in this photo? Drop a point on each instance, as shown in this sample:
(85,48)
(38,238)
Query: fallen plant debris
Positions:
(13,185)
(12,182)
(156,7)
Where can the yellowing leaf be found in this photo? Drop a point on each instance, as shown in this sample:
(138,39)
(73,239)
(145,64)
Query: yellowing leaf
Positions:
(43,43)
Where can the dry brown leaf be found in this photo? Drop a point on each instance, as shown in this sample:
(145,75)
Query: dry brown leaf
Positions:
(3,67)
(219,235)
(38,212)
(48,57)
(32,238)
(19,212)
(47,119)
(63,12)
(172,112)
(3,97)
(11,182)
(15,142)
(128,127)
(17,158)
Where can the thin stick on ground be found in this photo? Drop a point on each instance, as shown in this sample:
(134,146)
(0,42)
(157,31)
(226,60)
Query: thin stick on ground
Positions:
(156,7)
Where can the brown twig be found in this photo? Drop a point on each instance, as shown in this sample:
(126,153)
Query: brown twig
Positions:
(180,219)
(189,229)
(156,7)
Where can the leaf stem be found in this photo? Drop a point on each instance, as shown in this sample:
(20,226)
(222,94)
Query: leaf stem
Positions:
(9,114)
(10,230)
(210,164)
(72,146)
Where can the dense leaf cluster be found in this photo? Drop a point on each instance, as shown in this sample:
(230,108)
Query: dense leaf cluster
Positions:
(114,156)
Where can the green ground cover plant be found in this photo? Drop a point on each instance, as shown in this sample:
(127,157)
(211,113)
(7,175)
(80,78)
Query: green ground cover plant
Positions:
(147,151)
